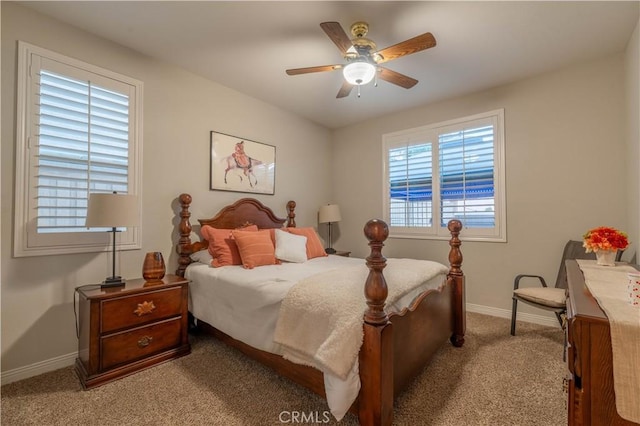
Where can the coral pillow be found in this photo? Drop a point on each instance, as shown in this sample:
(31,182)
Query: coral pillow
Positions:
(272,234)
(256,248)
(314,245)
(222,246)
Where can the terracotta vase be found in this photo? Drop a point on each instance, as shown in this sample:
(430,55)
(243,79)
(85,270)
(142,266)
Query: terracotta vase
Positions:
(606,257)
(153,268)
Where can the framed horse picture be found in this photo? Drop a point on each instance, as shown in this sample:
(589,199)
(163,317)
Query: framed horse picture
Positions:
(242,165)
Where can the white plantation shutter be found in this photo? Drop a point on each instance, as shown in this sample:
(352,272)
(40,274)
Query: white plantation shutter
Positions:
(83,147)
(467,177)
(411,189)
(78,133)
(459,176)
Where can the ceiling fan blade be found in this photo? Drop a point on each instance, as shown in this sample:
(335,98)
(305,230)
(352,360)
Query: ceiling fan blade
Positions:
(407,47)
(296,71)
(396,78)
(336,33)
(344,90)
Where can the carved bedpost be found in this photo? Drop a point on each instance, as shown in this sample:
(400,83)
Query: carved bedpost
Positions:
(375,288)
(457,277)
(291,216)
(184,243)
(375,406)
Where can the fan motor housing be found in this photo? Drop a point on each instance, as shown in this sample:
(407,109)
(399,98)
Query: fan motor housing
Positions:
(362,45)
(359,29)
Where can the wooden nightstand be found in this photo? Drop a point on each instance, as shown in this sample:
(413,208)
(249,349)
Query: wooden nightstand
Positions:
(126,329)
(343,253)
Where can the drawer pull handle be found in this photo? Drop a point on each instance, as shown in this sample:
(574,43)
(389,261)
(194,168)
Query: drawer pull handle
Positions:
(144,308)
(145,341)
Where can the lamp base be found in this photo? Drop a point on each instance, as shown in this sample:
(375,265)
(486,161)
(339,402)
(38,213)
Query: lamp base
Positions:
(113,282)
(330,251)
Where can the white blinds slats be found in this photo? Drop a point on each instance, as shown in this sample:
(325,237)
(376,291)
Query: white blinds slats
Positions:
(466,166)
(410,183)
(83,147)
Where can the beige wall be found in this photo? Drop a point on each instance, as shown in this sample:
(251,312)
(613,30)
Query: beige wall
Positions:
(632,91)
(565,173)
(179,111)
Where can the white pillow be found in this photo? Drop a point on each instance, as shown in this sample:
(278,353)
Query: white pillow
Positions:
(202,256)
(290,247)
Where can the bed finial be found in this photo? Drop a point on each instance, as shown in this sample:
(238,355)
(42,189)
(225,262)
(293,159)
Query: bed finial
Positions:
(291,216)
(375,288)
(184,243)
(455,255)
(456,277)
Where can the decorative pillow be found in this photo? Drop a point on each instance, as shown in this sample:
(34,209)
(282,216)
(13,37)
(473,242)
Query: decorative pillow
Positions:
(290,247)
(272,234)
(222,247)
(314,245)
(255,247)
(202,256)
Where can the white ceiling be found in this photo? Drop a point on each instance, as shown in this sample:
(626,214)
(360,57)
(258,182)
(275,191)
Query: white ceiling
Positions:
(248,45)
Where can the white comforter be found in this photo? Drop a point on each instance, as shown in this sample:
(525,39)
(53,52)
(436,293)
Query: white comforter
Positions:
(245,304)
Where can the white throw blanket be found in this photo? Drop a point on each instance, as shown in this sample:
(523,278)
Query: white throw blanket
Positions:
(321,318)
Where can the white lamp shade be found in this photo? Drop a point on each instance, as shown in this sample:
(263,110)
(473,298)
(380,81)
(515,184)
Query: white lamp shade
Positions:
(329,214)
(112,211)
(358,73)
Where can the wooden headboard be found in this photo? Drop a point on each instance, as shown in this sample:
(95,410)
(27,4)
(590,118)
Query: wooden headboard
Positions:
(246,211)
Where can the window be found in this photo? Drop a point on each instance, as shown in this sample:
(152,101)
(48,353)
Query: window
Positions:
(452,170)
(78,132)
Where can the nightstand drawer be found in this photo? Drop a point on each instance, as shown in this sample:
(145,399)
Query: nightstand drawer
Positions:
(129,328)
(139,343)
(131,311)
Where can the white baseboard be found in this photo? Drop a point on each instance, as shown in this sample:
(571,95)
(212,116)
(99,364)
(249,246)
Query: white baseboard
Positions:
(505,313)
(69,359)
(41,367)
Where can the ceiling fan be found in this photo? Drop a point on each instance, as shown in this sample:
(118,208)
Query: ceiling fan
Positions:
(363,59)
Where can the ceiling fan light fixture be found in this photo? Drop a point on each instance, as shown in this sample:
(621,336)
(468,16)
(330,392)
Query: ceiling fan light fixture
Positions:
(359,73)
(363,59)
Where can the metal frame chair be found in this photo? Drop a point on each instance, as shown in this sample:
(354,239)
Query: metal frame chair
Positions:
(545,297)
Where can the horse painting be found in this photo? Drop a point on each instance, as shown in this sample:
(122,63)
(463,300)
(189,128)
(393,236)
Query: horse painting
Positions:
(233,169)
(245,170)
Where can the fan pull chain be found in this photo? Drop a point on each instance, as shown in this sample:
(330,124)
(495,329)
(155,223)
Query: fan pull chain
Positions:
(358,90)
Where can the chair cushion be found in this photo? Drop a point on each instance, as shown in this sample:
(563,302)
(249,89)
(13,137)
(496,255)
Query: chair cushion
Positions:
(547,296)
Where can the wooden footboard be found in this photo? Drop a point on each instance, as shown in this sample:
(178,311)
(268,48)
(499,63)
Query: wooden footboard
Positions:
(396,346)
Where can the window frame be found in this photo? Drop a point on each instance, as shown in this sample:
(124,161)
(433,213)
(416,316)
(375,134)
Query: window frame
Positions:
(430,134)
(27,242)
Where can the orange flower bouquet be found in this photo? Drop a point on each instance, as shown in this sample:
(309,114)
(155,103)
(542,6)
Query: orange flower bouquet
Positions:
(604,238)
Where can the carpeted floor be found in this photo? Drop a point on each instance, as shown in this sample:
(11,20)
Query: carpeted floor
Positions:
(494,379)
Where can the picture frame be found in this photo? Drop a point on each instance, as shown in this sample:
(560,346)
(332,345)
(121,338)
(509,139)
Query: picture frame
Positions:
(241,165)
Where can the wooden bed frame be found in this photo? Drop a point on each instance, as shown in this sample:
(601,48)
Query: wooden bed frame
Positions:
(396,346)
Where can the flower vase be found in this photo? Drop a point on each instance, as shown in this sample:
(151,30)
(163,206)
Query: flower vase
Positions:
(606,257)
(153,268)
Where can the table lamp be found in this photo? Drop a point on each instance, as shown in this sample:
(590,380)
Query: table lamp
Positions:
(112,210)
(329,214)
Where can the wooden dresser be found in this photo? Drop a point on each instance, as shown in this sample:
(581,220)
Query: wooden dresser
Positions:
(591,399)
(125,329)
